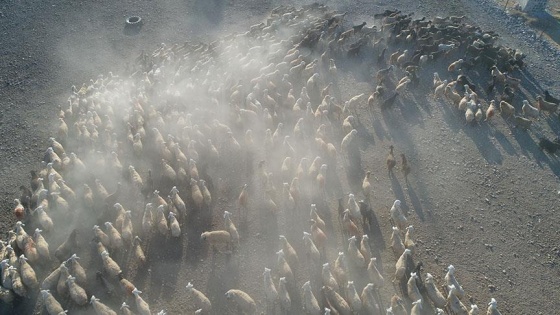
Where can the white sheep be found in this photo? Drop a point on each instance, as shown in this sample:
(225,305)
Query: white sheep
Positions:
(125,309)
(270,292)
(49,280)
(126,228)
(244,302)
(21,235)
(440,89)
(354,208)
(77,293)
(474,310)
(231,228)
(41,244)
(446,47)
(111,267)
(412,288)
(401,264)
(77,270)
(100,308)
(348,139)
(311,249)
(283,268)
(433,292)
(416,307)
(408,241)
(437,81)
(454,304)
(178,201)
(310,303)
(493,308)
(141,305)
(161,221)
(147,219)
(336,301)
(353,297)
(397,217)
(374,275)
(365,249)
(101,236)
(28,276)
(328,278)
(61,285)
(200,300)
(450,280)
(174,225)
(284,296)
(530,111)
(396,242)
(340,270)
(354,253)
(369,302)
(289,252)
(17,285)
(115,238)
(51,304)
(44,219)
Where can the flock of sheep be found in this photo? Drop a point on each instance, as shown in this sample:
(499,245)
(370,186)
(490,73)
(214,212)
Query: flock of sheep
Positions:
(261,108)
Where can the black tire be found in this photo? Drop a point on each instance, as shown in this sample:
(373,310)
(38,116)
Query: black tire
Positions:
(134,21)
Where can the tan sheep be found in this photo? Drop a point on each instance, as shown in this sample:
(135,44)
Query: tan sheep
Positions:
(310,303)
(51,304)
(200,300)
(243,301)
(220,239)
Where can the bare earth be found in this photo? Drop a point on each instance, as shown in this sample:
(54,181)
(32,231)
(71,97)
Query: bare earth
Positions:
(470,187)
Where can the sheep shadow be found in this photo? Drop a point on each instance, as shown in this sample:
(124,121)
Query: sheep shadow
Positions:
(479,135)
(410,110)
(364,135)
(415,202)
(354,170)
(378,128)
(373,231)
(399,193)
(504,142)
(167,251)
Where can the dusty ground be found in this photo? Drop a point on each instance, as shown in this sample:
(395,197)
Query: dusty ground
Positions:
(470,185)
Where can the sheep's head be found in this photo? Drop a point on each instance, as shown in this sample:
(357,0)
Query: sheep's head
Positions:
(493,304)
(397,203)
(474,310)
(70,279)
(189,286)
(45,294)
(451,269)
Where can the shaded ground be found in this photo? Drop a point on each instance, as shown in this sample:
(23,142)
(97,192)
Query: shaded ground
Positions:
(470,185)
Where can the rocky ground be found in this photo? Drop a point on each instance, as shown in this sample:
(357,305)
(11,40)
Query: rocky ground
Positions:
(483,198)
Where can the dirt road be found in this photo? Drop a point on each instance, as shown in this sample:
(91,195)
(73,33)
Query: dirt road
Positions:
(483,198)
